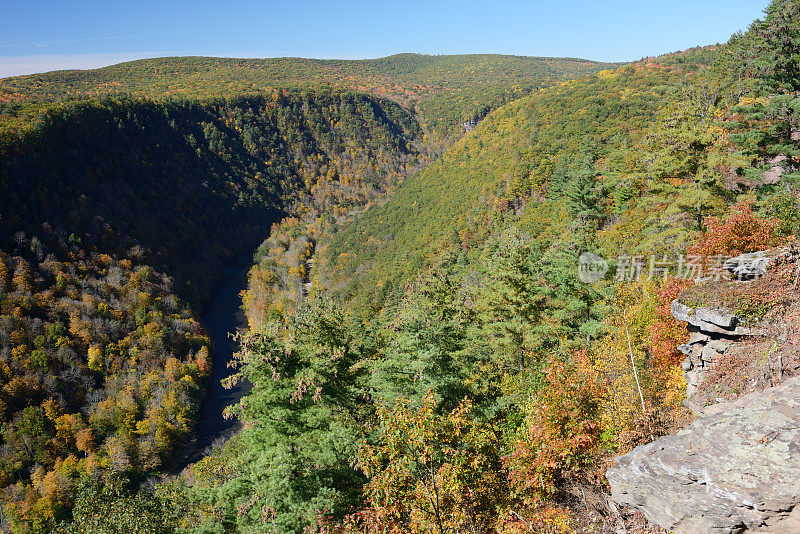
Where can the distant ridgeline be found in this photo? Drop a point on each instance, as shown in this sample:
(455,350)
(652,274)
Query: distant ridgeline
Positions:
(447,90)
(525,162)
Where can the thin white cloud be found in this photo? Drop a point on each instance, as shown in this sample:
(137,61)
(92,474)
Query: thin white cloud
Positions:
(87,39)
(33,64)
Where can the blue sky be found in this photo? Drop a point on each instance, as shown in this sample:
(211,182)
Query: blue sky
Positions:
(36,35)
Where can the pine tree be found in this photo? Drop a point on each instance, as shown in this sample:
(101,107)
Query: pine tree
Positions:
(767,125)
(426,352)
(303,419)
(513,301)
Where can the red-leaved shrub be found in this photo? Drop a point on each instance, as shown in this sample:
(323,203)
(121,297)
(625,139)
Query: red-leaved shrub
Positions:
(666,332)
(561,432)
(739,232)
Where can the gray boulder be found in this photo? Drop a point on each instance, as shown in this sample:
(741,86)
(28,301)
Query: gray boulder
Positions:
(735,469)
(716,317)
(680,311)
(698,337)
(711,322)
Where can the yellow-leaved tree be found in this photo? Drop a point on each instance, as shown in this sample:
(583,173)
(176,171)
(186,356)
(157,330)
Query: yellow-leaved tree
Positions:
(643,395)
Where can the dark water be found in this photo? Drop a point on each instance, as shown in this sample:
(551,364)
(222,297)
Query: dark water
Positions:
(223,316)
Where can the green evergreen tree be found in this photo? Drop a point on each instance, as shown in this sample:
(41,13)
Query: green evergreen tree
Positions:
(303,420)
(425,353)
(768,126)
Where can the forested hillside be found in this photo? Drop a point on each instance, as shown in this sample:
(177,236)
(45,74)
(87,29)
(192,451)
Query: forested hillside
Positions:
(542,147)
(449,369)
(116,218)
(447,90)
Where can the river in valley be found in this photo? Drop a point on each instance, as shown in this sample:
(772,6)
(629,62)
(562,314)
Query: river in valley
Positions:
(222,318)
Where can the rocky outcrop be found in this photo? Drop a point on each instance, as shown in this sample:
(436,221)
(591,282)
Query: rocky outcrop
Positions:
(776,169)
(736,468)
(712,332)
(710,321)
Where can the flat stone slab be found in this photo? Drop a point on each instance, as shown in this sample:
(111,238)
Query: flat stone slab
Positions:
(724,320)
(711,321)
(735,469)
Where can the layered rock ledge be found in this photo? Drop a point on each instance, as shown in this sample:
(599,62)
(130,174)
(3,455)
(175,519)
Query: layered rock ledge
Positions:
(712,333)
(736,468)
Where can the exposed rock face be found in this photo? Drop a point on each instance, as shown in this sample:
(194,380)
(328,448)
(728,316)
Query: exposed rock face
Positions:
(776,170)
(736,468)
(712,332)
(710,321)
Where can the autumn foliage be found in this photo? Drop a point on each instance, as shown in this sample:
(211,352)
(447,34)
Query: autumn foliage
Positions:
(739,232)
(561,432)
(667,332)
(431,472)
(97,373)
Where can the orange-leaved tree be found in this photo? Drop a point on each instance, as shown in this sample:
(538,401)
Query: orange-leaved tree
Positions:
(430,471)
(666,332)
(561,431)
